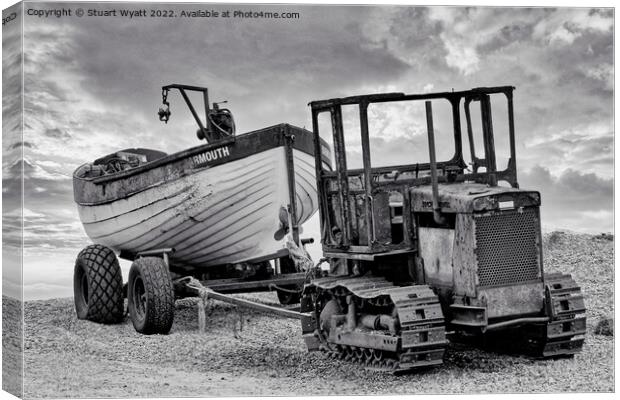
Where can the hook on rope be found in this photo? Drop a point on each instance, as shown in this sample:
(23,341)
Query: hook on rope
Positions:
(164,113)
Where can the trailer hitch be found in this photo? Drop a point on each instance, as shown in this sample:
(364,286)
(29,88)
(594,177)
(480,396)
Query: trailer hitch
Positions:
(205,293)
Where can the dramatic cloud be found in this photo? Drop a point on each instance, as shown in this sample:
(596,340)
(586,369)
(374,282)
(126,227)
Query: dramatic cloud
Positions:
(586,148)
(477,33)
(574,200)
(93,87)
(11,154)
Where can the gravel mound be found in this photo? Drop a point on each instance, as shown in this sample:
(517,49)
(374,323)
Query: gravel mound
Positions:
(248,353)
(12,345)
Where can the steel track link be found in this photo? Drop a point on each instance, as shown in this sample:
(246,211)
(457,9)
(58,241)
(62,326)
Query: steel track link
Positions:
(563,335)
(419,341)
(565,332)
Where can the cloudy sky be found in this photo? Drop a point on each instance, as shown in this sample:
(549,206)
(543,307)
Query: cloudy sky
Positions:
(92,86)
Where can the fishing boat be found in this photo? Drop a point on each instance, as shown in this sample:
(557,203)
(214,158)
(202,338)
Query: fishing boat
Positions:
(224,202)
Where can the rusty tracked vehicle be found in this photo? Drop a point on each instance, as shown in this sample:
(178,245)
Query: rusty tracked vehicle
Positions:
(429,250)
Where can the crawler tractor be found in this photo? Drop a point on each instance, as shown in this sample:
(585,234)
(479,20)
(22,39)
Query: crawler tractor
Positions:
(421,252)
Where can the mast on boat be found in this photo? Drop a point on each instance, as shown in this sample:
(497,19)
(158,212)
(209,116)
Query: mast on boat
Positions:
(219,122)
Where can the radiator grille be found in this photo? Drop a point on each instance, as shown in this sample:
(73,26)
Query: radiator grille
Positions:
(506,247)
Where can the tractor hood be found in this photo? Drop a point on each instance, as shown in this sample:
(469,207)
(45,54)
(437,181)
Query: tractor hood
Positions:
(472,197)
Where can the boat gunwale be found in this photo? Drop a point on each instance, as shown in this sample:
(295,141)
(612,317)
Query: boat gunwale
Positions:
(128,195)
(171,158)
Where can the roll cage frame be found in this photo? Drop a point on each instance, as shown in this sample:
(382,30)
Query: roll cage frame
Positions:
(341,182)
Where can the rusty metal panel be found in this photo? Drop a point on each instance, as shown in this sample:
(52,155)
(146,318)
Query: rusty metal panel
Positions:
(463,257)
(356,183)
(436,246)
(411,315)
(312,342)
(508,247)
(360,216)
(381,212)
(468,316)
(432,336)
(470,197)
(566,328)
(514,300)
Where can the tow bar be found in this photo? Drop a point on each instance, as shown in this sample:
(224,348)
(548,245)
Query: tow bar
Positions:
(194,286)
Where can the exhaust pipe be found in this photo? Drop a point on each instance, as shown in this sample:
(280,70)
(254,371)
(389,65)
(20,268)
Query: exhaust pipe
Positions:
(437,216)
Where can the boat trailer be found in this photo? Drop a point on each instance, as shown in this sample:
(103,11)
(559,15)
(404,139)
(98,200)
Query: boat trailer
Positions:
(221,289)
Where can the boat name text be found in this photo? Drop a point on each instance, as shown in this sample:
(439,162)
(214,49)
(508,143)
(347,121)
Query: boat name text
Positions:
(211,155)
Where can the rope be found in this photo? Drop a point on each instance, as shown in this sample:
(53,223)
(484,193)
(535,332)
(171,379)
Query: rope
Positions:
(203,293)
(315,271)
(226,133)
(273,286)
(300,257)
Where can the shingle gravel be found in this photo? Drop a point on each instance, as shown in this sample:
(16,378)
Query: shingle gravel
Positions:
(66,357)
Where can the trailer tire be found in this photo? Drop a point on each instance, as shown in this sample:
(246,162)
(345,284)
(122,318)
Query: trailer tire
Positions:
(150,296)
(98,285)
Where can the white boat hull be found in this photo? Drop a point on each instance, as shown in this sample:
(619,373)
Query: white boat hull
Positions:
(218,215)
(221,203)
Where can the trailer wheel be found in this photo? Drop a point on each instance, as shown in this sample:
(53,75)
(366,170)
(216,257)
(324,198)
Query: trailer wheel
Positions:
(98,285)
(150,296)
